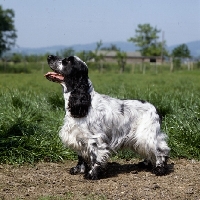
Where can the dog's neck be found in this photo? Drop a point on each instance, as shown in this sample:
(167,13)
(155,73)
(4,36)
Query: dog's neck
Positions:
(67,90)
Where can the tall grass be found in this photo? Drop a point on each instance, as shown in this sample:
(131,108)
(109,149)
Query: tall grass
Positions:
(32,110)
(29,127)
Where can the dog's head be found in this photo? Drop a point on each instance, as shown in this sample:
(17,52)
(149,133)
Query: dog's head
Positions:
(72,73)
(68,70)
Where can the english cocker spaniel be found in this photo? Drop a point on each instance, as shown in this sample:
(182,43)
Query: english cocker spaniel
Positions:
(97,125)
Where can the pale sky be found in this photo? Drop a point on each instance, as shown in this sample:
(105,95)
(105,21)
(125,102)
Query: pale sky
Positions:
(43,23)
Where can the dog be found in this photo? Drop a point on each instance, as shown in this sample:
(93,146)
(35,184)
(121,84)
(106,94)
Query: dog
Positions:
(96,125)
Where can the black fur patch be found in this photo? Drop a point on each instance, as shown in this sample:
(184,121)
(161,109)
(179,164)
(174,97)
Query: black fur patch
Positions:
(142,101)
(95,174)
(122,109)
(160,116)
(77,169)
(160,171)
(76,80)
(79,103)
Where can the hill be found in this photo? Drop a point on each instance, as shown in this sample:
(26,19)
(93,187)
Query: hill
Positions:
(194,48)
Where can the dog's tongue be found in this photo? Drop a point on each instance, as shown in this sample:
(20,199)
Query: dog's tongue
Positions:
(55,77)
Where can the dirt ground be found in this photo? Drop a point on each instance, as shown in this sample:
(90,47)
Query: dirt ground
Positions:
(123,180)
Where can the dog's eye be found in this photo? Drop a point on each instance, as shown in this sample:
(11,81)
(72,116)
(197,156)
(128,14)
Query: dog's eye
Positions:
(64,61)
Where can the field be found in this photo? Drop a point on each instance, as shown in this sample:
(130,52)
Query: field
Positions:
(32,111)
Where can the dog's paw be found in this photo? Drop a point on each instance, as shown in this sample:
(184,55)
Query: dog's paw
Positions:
(95,173)
(91,175)
(145,165)
(74,170)
(160,171)
(79,169)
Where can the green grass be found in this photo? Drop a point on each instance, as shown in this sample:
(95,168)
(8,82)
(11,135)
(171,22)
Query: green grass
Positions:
(32,110)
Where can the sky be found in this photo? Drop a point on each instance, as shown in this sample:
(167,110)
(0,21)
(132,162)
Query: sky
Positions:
(44,23)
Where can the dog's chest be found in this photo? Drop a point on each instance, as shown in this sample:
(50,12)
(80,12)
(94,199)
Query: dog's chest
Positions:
(73,136)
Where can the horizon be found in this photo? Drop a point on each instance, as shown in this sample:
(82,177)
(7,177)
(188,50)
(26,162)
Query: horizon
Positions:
(193,46)
(90,43)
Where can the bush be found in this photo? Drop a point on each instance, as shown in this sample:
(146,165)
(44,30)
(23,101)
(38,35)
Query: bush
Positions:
(17,68)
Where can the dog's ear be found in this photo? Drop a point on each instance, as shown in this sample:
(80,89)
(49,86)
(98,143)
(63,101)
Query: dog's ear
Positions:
(80,99)
(78,84)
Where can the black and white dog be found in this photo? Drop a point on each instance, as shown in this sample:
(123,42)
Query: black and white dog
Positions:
(97,125)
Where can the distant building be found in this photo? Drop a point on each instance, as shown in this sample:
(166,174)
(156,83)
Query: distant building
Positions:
(132,57)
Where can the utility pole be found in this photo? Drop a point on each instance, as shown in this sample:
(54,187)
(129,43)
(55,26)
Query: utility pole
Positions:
(162,45)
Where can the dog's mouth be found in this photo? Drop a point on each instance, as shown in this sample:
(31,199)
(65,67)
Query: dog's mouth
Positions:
(55,77)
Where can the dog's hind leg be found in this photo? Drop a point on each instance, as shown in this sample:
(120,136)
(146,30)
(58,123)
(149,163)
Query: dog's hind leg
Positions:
(81,167)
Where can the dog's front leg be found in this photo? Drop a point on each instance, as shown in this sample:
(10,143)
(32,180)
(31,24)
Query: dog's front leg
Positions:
(95,172)
(98,159)
(81,167)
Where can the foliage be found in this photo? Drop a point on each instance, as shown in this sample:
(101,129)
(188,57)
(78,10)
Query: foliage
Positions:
(112,47)
(121,59)
(15,68)
(85,55)
(181,51)
(98,56)
(7,30)
(121,56)
(35,58)
(66,52)
(146,38)
(16,58)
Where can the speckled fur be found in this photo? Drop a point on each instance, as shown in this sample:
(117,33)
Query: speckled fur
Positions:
(107,124)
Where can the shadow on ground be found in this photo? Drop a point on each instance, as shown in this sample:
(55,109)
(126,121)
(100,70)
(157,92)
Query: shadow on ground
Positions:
(114,169)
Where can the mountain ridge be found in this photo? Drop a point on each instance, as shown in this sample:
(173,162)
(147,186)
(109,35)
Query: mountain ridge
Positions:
(193,46)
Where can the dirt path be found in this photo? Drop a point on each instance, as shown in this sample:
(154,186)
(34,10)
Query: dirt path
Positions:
(124,180)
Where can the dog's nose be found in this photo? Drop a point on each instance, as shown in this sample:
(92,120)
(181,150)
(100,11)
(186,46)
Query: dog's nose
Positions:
(49,57)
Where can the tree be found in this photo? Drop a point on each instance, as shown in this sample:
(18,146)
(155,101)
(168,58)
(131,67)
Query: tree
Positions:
(121,57)
(181,51)
(85,55)
(146,38)
(178,53)
(67,52)
(7,30)
(98,56)
(112,47)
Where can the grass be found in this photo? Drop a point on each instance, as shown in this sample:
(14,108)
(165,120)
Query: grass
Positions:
(28,130)
(70,196)
(32,110)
